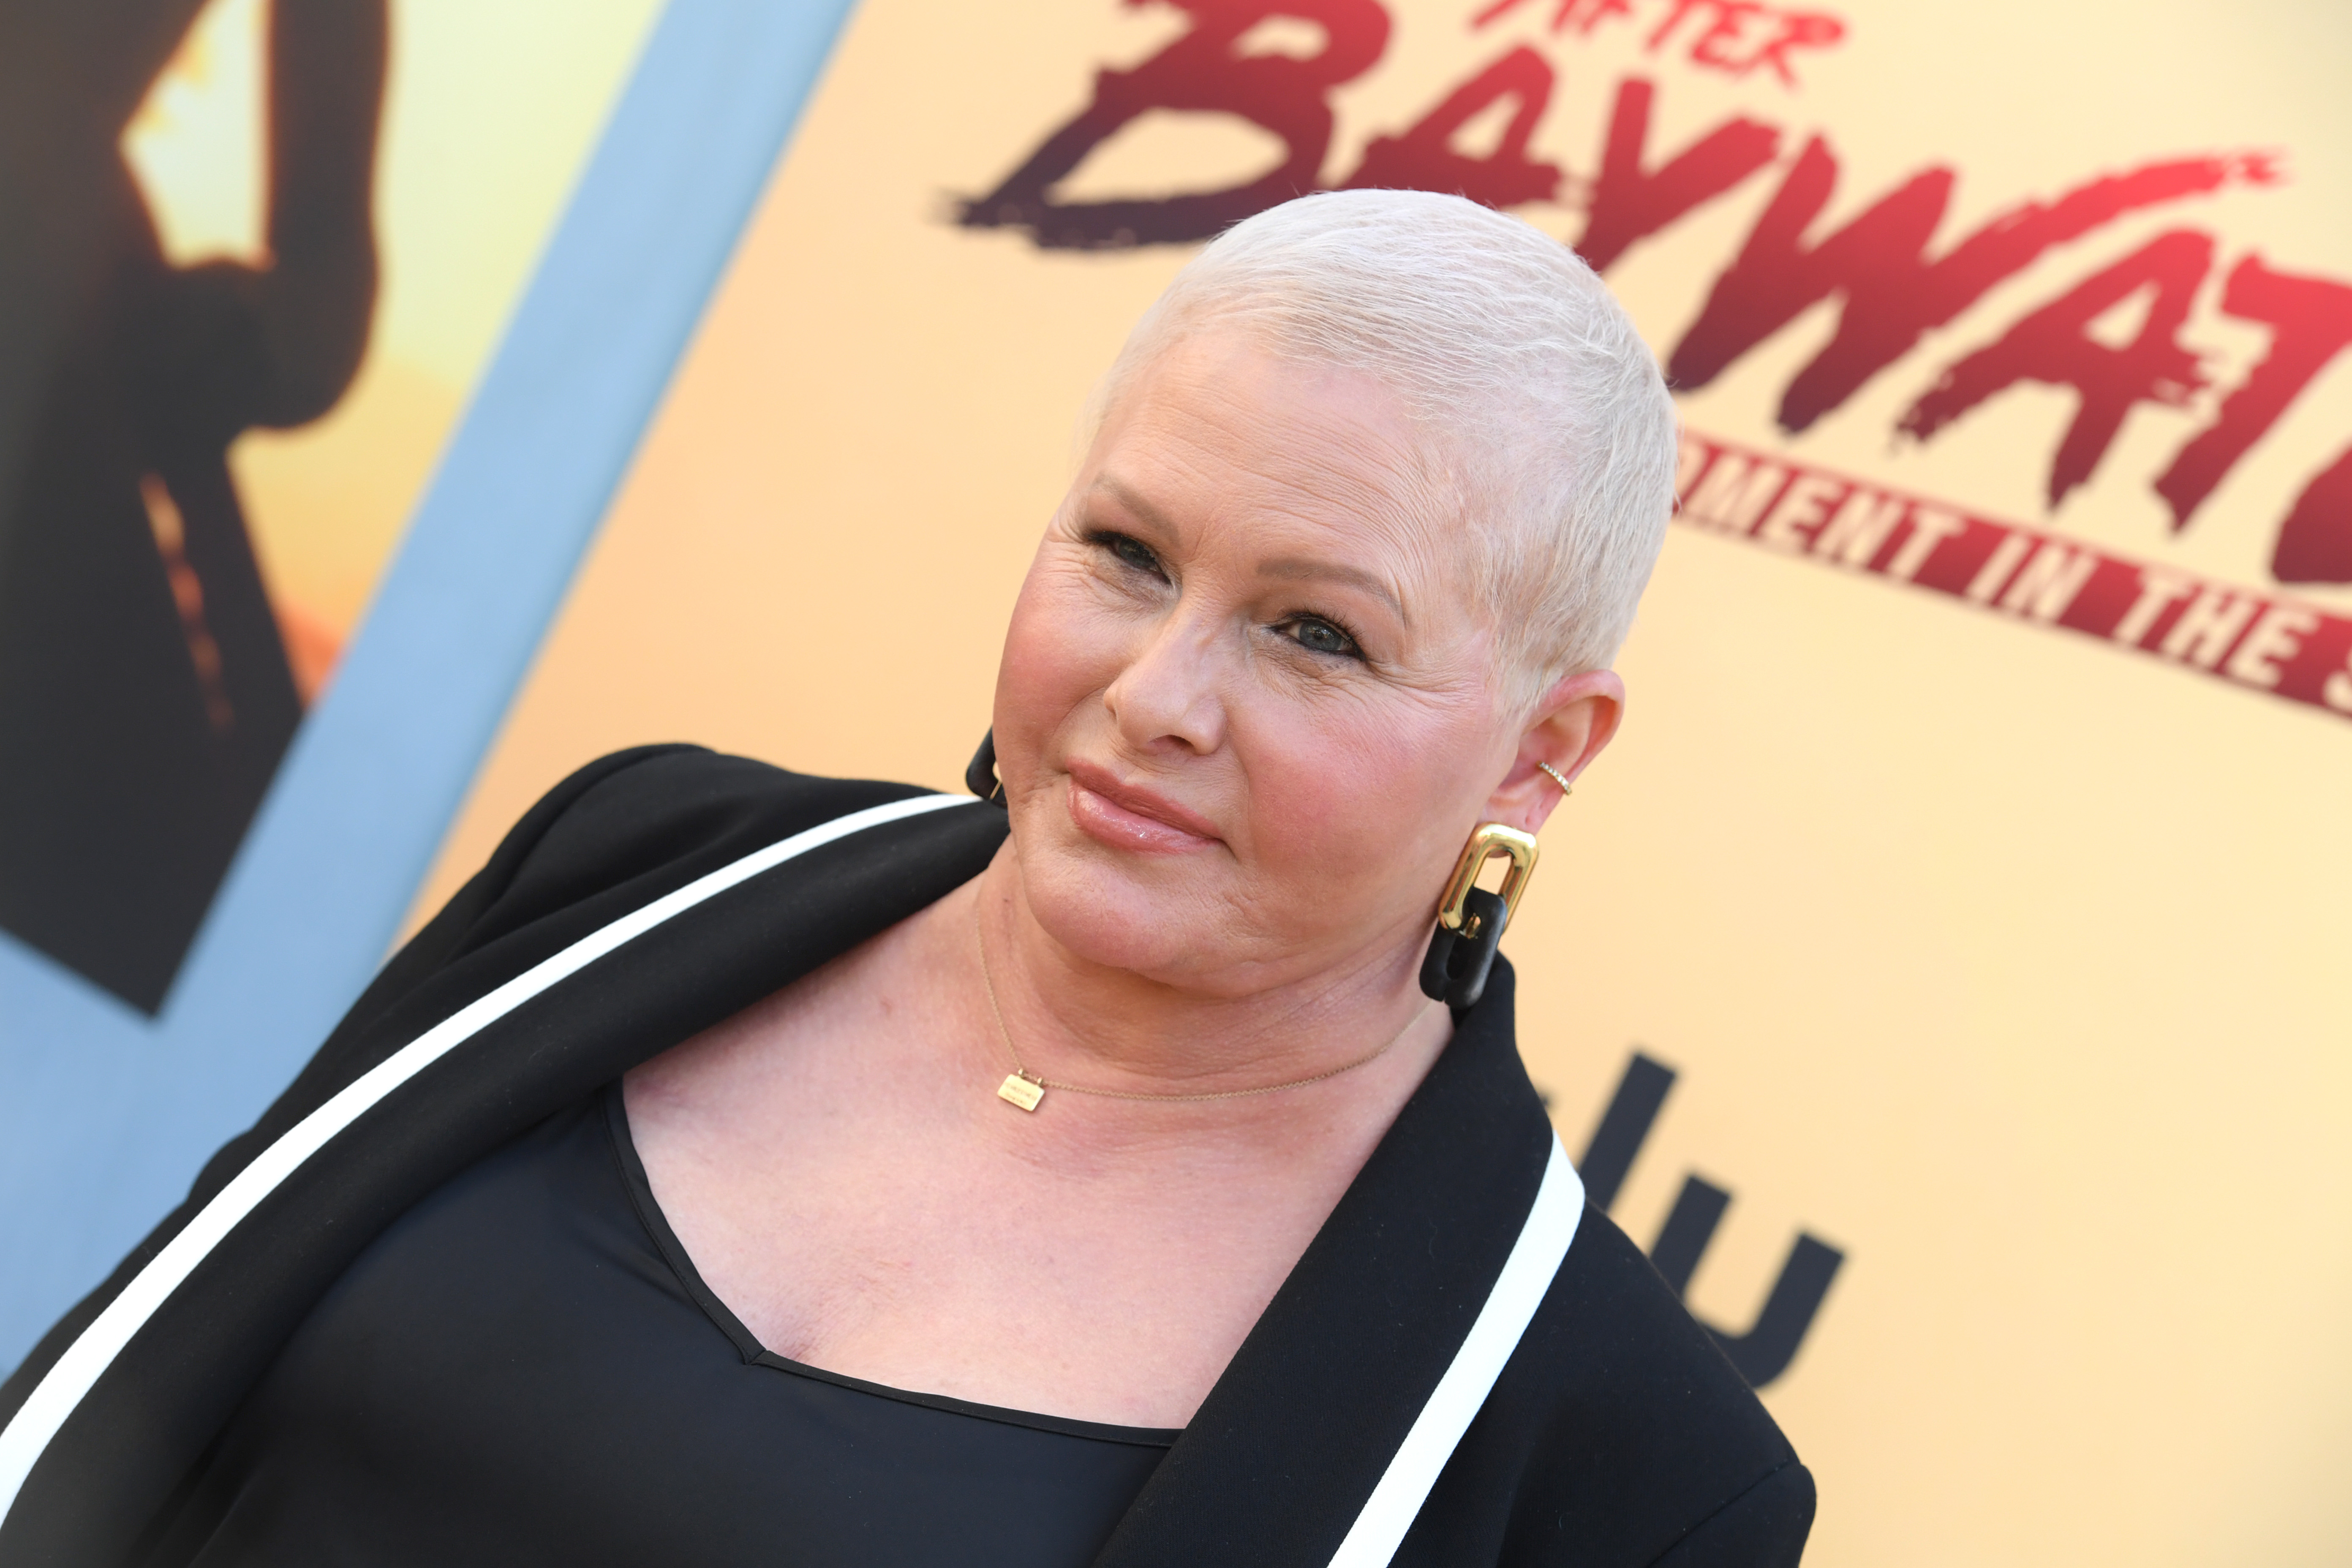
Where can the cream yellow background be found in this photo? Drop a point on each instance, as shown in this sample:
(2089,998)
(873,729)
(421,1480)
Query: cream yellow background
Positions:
(2009,963)
(489,111)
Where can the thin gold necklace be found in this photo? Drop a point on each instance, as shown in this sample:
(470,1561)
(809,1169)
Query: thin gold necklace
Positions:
(1027,1090)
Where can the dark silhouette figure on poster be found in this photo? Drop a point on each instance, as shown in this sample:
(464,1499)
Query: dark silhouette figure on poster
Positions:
(145,693)
(1764,1351)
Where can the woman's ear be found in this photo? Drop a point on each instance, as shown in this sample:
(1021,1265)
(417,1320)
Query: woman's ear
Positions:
(1576,718)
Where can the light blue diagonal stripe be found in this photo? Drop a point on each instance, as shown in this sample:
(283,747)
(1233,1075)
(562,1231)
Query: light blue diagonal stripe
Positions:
(104,1115)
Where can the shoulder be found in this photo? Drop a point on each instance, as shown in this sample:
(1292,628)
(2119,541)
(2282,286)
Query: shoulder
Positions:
(1626,1437)
(609,842)
(634,823)
(1647,1407)
(635,813)
(617,835)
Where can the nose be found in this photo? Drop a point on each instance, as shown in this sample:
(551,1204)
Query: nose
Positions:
(1168,695)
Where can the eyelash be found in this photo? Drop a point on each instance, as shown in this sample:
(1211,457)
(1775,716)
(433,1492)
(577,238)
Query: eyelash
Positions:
(1110,542)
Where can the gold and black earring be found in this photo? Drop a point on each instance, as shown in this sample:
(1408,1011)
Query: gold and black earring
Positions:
(1470,919)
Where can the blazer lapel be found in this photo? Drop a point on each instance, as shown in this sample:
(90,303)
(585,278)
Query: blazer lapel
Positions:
(1289,1445)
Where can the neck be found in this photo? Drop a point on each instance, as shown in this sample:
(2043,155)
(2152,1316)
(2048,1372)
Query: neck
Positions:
(1091,1025)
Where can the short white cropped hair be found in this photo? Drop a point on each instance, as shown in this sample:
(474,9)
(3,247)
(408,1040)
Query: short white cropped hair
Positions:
(1548,407)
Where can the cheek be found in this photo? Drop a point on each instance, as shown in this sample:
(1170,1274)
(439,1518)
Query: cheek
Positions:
(1361,802)
(1060,651)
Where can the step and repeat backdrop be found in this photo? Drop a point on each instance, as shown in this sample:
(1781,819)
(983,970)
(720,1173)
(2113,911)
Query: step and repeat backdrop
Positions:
(1944,976)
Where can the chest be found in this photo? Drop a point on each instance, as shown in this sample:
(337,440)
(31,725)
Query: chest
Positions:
(839,1165)
(893,1245)
(519,1371)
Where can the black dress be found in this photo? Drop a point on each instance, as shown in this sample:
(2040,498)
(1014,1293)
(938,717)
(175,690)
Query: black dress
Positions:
(659,892)
(523,1362)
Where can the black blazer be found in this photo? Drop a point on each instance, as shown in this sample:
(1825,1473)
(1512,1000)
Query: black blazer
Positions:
(658,891)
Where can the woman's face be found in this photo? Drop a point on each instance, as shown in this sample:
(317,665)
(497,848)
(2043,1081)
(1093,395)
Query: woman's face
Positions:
(1247,713)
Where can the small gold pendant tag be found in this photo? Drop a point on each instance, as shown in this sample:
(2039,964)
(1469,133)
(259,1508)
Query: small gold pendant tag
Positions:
(1020,1091)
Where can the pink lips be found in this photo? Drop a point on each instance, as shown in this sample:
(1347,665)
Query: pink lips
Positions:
(1126,816)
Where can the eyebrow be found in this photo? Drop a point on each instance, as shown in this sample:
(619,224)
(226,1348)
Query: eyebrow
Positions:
(1287,568)
(1128,496)
(1292,569)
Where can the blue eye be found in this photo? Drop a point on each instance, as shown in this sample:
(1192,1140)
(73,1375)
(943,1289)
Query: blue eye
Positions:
(1318,635)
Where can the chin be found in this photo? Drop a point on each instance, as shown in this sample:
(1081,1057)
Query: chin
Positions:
(1132,917)
(1163,917)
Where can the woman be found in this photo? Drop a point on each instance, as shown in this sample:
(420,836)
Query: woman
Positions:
(752,1167)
